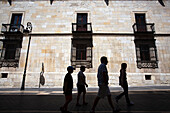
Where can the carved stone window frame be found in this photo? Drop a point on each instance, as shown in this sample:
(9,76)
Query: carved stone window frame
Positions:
(153,61)
(17,12)
(76,63)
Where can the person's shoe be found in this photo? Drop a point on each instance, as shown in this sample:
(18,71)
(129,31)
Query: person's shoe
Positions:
(92,111)
(78,105)
(85,103)
(130,104)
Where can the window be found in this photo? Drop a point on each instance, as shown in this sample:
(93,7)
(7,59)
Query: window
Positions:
(81,21)
(147,77)
(146,53)
(16,18)
(15,22)
(10,53)
(81,25)
(4,75)
(140,22)
(81,53)
(81,49)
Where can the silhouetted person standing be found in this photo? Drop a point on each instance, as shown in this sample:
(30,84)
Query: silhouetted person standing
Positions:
(104,90)
(81,85)
(67,88)
(124,84)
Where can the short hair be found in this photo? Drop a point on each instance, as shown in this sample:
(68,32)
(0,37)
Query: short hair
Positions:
(70,68)
(82,67)
(102,59)
(123,65)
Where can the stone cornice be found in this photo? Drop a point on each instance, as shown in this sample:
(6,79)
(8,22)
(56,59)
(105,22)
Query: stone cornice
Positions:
(114,34)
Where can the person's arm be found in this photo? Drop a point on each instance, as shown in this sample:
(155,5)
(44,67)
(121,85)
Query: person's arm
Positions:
(122,77)
(104,77)
(82,77)
(85,82)
(65,86)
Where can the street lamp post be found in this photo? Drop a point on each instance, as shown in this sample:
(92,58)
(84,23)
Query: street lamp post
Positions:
(28,30)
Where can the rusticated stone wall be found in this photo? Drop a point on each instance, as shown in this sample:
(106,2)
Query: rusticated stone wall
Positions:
(51,40)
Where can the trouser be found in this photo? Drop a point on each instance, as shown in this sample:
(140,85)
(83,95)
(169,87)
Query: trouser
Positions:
(125,88)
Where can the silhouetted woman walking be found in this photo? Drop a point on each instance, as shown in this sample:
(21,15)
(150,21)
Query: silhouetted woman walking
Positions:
(124,84)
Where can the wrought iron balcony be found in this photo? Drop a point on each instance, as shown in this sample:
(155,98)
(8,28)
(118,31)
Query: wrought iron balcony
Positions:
(12,28)
(147,28)
(147,64)
(81,28)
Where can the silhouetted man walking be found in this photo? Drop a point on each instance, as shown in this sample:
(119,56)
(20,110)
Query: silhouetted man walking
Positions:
(104,90)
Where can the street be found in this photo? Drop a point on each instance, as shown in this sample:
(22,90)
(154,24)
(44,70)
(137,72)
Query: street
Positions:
(145,102)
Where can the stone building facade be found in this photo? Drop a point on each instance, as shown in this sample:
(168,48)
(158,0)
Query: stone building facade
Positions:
(79,32)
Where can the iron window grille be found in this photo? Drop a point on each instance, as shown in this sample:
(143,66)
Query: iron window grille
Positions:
(146,56)
(10,53)
(81,53)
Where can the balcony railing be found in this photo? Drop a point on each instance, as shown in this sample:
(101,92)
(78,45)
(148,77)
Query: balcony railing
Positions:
(79,63)
(9,63)
(147,28)
(12,28)
(147,64)
(81,28)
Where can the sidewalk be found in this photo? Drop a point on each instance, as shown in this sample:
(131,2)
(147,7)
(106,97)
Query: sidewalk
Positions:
(59,91)
(146,99)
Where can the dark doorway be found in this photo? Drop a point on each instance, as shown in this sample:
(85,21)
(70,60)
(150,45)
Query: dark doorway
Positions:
(16,18)
(81,21)
(15,22)
(140,22)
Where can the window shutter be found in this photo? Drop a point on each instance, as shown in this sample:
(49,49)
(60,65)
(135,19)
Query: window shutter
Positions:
(138,54)
(1,48)
(89,55)
(3,53)
(152,54)
(1,45)
(17,53)
(73,52)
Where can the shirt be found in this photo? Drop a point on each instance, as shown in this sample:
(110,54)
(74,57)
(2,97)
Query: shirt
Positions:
(81,78)
(123,78)
(68,78)
(102,68)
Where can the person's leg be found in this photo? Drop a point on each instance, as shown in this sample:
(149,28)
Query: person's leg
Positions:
(84,98)
(120,95)
(95,103)
(78,97)
(84,93)
(126,93)
(110,101)
(63,108)
(99,95)
(68,99)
